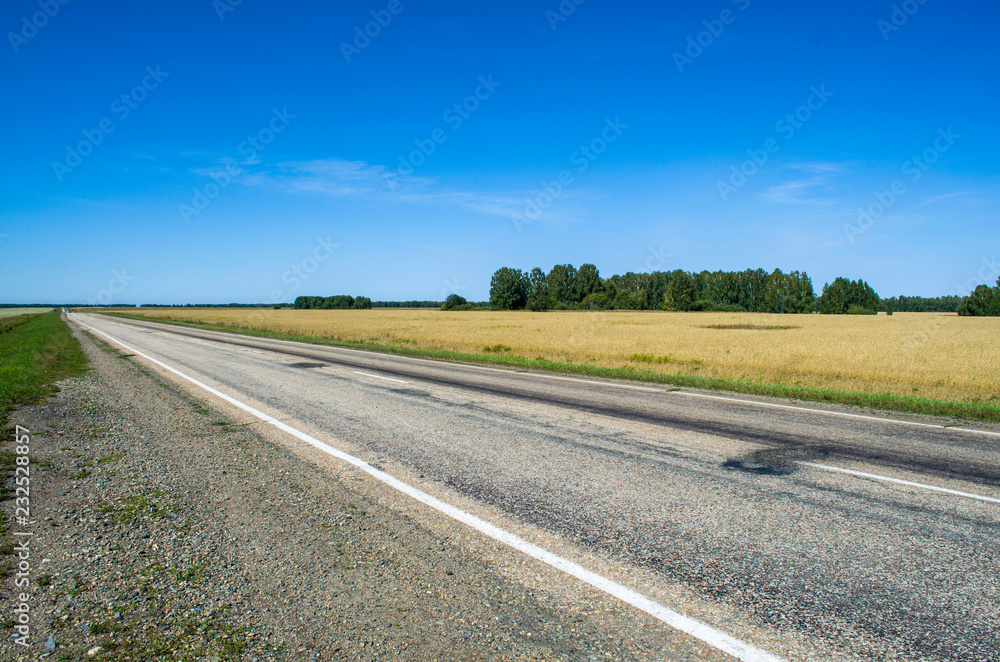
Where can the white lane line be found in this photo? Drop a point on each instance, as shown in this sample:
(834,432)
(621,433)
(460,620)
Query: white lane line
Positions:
(974,430)
(833,413)
(715,638)
(578,381)
(388,379)
(899,481)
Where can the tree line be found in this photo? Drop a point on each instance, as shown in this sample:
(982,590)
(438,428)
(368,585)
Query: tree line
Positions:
(336,302)
(568,288)
(984,301)
(903,304)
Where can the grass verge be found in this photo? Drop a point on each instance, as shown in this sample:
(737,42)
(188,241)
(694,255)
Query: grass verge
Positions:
(35,354)
(976,410)
(36,351)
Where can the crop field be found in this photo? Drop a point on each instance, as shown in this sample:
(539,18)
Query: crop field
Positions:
(10,312)
(927,355)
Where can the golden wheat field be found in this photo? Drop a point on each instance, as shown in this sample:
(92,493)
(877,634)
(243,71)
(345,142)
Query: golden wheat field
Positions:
(935,355)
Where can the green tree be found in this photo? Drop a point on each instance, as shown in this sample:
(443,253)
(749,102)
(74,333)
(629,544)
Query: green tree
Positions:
(538,290)
(508,289)
(453,301)
(848,296)
(788,293)
(983,302)
(681,292)
(586,282)
(595,301)
(561,285)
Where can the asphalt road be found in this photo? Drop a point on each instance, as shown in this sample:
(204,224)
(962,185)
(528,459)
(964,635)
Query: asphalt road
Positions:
(700,501)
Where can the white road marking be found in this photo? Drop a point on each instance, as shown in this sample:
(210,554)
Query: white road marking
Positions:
(974,430)
(833,413)
(578,381)
(899,481)
(715,638)
(388,379)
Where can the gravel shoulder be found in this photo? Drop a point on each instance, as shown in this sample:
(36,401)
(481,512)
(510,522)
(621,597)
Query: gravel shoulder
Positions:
(165,530)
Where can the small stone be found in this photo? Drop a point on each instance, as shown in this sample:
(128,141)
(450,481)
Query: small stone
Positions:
(93,651)
(51,644)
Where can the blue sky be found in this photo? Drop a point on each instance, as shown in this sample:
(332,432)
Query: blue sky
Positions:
(201,151)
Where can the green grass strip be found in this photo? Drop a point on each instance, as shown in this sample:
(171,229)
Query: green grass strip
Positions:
(977,410)
(8,323)
(35,353)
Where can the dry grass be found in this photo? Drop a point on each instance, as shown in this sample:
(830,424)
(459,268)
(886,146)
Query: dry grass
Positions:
(929,355)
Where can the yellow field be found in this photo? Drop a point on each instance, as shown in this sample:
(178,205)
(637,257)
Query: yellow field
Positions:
(930,355)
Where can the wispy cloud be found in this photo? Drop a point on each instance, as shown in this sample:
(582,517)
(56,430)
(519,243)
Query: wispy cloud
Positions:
(800,192)
(818,167)
(359,179)
(934,199)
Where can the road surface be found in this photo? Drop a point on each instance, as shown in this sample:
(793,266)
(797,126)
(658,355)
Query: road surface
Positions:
(772,529)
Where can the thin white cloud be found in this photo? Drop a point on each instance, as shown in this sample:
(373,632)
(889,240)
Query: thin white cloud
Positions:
(359,179)
(799,192)
(818,167)
(940,198)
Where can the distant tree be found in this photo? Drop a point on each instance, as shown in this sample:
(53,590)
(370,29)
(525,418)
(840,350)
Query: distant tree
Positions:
(453,301)
(337,302)
(680,293)
(657,290)
(508,289)
(848,296)
(788,293)
(629,291)
(983,302)
(946,304)
(561,286)
(587,282)
(595,301)
(538,290)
